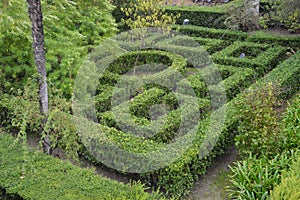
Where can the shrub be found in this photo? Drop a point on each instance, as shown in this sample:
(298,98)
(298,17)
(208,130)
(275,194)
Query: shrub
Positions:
(254,178)
(291,124)
(286,41)
(288,189)
(257,116)
(197,31)
(21,115)
(33,175)
(261,57)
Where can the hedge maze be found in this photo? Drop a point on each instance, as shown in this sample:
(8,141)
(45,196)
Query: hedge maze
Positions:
(164,109)
(137,123)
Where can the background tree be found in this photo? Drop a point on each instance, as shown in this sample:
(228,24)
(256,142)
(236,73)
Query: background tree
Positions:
(147,13)
(245,17)
(252,14)
(284,13)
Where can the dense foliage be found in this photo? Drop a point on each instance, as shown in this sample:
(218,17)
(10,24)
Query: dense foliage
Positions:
(72,28)
(255,87)
(264,160)
(32,175)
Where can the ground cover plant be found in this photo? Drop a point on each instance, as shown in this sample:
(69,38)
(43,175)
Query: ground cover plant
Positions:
(22,177)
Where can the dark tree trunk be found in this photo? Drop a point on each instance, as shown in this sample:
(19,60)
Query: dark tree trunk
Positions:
(36,17)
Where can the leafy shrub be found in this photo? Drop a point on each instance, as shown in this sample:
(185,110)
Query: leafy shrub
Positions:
(284,14)
(257,116)
(21,114)
(291,124)
(71,30)
(288,189)
(254,178)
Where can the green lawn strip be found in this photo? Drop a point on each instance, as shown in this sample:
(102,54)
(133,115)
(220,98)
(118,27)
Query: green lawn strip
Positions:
(33,175)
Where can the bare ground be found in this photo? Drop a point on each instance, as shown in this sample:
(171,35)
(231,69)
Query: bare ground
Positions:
(211,185)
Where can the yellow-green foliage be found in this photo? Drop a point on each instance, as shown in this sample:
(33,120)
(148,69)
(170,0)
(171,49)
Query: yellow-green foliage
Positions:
(147,13)
(288,189)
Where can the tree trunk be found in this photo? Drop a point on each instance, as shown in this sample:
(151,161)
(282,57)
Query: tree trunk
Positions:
(36,17)
(252,14)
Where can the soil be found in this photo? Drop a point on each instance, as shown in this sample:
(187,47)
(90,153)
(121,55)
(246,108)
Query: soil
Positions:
(211,186)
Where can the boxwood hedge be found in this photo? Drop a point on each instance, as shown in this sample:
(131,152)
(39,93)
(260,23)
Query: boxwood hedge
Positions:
(176,179)
(204,32)
(261,57)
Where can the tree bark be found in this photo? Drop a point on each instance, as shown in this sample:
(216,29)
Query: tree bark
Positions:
(252,14)
(36,17)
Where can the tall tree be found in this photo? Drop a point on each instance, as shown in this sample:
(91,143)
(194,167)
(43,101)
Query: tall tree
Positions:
(252,14)
(36,17)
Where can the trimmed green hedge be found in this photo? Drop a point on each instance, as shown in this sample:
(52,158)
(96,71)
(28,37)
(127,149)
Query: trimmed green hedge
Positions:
(212,45)
(176,179)
(287,41)
(204,32)
(240,79)
(207,16)
(32,175)
(261,57)
(209,19)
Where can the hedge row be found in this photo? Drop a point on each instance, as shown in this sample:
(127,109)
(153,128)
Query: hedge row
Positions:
(204,32)
(212,45)
(207,16)
(233,79)
(261,57)
(32,175)
(178,177)
(209,19)
(164,125)
(287,41)
(238,81)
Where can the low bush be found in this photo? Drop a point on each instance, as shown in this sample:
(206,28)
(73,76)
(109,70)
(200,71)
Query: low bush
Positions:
(264,58)
(254,178)
(33,175)
(286,41)
(206,16)
(288,189)
(223,34)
